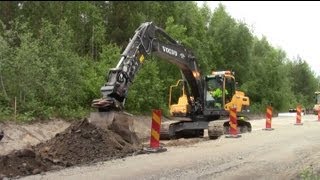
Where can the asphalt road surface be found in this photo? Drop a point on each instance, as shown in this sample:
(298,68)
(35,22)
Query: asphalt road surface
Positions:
(283,153)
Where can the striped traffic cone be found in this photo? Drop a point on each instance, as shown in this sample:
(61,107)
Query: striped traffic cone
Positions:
(233,129)
(268,119)
(155,133)
(298,117)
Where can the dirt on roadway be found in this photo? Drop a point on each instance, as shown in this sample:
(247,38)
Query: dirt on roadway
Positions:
(80,143)
(284,153)
(39,147)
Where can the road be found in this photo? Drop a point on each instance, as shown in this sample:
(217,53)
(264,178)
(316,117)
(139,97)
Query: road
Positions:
(283,153)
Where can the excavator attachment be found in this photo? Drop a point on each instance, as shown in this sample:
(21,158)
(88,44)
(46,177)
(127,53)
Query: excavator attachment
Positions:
(106,115)
(106,104)
(111,116)
(117,121)
(102,119)
(109,111)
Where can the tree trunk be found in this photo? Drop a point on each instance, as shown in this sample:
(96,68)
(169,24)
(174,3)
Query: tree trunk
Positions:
(3,88)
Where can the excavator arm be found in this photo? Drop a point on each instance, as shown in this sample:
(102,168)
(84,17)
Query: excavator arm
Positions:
(149,39)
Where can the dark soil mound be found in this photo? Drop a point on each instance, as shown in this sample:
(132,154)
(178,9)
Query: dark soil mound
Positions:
(81,143)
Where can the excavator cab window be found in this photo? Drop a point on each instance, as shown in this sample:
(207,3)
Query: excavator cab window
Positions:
(214,92)
(317,98)
(230,86)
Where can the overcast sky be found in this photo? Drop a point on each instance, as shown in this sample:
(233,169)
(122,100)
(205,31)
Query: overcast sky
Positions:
(293,26)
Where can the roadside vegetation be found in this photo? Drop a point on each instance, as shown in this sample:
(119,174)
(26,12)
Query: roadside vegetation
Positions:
(54,56)
(309,174)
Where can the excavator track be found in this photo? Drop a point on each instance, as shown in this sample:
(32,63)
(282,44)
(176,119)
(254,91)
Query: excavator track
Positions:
(182,128)
(167,130)
(219,127)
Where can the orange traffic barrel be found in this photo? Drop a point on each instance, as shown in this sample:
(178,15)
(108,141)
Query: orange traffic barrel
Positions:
(155,134)
(298,117)
(155,129)
(268,119)
(233,129)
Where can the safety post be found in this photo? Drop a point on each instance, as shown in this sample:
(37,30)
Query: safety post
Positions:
(298,117)
(155,133)
(155,129)
(268,119)
(233,129)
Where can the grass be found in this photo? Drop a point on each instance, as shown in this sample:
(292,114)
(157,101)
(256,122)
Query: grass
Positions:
(309,174)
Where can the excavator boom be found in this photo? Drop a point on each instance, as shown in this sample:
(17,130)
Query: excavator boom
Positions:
(146,41)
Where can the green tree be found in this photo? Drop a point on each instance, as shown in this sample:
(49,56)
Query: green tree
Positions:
(230,44)
(147,91)
(269,82)
(304,82)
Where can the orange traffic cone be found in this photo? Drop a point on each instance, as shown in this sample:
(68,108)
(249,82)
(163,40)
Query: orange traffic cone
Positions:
(298,118)
(268,119)
(233,130)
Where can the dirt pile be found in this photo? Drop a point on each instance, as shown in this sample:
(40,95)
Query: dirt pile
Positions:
(81,143)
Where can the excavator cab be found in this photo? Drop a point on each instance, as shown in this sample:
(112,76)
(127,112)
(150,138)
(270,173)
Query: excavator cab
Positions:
(219,91)
(220,88)
(316,107)
(230,96)
(220,95)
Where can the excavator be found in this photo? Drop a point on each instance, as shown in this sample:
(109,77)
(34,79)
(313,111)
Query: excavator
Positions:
(200,112)
(218,106)
(316,107)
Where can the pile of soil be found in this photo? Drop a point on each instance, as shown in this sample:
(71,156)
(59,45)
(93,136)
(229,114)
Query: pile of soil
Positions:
(81,143)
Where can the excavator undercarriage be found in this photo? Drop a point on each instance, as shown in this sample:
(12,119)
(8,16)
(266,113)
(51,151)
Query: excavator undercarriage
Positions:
(186,128)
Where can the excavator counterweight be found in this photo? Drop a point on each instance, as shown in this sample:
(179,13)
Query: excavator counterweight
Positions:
(316,106)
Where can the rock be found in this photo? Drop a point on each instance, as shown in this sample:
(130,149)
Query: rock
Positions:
(56,161)
(36,171)
(26,153)
(2,176)
(68,164)
(86,135)
(1,134)
(56,167)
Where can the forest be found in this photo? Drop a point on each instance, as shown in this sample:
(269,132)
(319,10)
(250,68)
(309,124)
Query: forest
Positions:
(54,56)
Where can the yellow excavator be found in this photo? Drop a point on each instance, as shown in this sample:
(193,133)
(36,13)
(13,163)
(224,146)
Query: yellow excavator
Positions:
(237,98)
(230,98)
(201,110)
(316,106)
